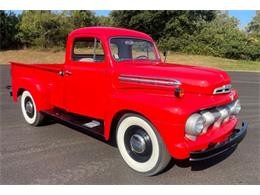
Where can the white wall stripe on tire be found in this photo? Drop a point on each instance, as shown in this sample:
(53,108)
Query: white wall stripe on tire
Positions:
(138,166)
(26,117)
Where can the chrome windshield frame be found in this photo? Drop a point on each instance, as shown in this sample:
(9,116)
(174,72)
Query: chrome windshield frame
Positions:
(156,51)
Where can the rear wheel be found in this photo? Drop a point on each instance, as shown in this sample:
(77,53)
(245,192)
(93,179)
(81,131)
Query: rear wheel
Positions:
(141,145)
(29,110)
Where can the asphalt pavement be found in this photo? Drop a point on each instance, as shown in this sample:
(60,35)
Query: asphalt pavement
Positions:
(57,154)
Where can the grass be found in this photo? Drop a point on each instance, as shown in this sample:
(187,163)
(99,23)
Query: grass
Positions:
(216,62)
(32,56)
(58,56)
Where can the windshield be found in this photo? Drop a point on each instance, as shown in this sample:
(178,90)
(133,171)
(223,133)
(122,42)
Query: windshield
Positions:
(132,49)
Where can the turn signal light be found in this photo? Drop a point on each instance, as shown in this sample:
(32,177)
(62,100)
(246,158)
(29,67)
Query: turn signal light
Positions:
(179,93)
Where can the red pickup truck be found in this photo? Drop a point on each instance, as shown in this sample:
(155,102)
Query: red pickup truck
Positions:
(115,84)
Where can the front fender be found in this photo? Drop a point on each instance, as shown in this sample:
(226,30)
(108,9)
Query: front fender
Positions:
(167,113)
(162,112)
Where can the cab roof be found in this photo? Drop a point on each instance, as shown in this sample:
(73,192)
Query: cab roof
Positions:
(110,32)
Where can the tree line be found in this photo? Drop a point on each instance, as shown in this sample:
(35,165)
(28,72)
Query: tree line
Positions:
(194,32)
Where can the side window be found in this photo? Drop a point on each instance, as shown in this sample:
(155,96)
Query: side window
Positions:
(114,50)
(88,50)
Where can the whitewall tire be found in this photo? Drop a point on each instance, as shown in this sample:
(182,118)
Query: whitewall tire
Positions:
(140,145)
(29,110)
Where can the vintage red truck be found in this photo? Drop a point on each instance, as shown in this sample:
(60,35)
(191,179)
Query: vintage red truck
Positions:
(115,84)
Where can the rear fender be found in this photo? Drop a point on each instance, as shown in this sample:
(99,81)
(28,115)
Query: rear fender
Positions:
(38,90)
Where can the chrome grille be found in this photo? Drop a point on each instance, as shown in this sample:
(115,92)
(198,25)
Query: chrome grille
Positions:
(216,116)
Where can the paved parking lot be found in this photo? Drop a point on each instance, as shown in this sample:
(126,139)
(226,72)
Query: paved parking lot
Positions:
(57,154)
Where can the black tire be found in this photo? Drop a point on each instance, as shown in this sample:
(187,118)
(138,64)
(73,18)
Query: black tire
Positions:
(141,146)
(29,110)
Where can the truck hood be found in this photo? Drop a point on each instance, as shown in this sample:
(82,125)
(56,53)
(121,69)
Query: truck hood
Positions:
(192,79)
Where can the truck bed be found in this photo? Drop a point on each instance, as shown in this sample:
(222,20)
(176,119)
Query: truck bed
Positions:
(42,80)
(47,67)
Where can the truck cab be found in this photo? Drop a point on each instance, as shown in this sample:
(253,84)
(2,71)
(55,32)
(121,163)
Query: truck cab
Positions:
(115,84)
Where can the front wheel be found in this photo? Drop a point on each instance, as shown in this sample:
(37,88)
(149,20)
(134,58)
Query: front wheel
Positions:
(140,145)
(29,111)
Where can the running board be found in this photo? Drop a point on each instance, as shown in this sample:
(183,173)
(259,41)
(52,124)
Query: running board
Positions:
(94,126)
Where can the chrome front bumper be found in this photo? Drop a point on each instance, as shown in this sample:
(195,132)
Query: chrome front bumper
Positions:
(220,149)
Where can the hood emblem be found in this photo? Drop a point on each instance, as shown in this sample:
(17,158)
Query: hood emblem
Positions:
(223,89)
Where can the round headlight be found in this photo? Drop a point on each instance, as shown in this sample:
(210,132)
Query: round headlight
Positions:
(194,125)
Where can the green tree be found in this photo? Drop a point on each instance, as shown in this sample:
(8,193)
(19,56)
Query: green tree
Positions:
(150,22)
(47,29)
(43,29)
(183,26)
(215,36)
(163,24)
(122,18)
(222,37)
(104,21)
(8,30)
(81,18)
(254,25)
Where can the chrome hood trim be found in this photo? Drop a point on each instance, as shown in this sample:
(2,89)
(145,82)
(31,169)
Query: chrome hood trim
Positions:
(149,80)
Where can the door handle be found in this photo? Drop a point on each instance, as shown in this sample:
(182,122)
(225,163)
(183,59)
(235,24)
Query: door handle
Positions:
(67,72)
(61,73)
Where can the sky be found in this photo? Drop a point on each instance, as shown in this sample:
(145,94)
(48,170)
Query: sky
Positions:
(102,12)
(245,16)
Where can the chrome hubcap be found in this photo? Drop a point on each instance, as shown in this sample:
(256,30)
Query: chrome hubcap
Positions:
(29,107)
(137,143)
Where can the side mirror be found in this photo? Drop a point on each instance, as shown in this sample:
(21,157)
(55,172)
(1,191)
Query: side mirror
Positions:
(165,53)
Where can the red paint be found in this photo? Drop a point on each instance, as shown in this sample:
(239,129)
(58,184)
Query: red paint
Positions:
(94,89)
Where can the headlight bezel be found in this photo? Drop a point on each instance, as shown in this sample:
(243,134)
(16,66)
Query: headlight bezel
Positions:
(194,125)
